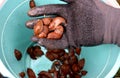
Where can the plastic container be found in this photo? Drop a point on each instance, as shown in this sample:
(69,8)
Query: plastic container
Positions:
(102,61)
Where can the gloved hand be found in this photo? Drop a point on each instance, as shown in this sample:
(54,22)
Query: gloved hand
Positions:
(89,23)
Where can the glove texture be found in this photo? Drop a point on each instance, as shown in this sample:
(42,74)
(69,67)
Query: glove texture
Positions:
(87,23)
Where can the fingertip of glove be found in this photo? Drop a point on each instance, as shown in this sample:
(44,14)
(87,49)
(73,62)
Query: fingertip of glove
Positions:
(29,25)
(34,39)
(31,12)
(41,42)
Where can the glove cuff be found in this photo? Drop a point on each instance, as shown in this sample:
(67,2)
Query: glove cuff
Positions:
(112,27)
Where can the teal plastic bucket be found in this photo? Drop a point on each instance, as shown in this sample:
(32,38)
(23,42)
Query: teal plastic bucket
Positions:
(102,61)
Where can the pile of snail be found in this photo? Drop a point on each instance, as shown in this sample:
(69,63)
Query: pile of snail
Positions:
(50,28)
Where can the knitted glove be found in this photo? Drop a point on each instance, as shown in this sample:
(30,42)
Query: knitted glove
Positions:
(89,23)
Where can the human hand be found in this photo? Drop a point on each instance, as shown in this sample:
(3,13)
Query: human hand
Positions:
(85,23)
(82,17)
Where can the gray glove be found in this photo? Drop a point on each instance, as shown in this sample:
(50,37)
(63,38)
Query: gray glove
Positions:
(89,23)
